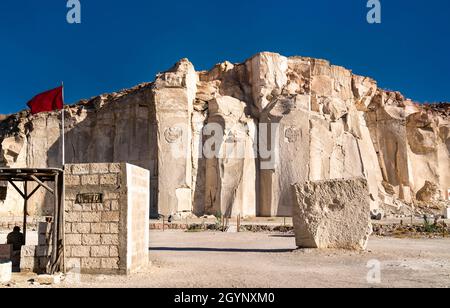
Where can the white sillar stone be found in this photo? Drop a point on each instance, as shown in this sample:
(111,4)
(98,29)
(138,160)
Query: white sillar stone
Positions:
(5,271)
(332,124)
(332,214)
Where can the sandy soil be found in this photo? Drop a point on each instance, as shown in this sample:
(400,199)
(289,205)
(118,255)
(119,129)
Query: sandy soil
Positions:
(210,259)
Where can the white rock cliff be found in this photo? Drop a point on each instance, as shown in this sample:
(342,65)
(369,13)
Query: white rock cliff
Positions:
(323,123)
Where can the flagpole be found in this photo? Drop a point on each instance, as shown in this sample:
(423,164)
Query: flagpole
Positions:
(62,130)
(63,192)
(310,85)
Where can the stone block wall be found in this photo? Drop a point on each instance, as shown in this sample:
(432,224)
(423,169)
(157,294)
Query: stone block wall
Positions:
(110,233)
(37,258)
(7,223)
(138,217)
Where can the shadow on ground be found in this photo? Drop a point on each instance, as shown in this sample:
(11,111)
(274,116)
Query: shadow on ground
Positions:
(205,249)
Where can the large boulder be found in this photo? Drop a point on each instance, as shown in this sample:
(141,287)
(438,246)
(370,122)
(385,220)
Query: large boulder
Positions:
(429,192)
(332,214)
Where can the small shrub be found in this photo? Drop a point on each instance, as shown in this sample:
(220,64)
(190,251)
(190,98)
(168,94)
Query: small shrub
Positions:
(430,227)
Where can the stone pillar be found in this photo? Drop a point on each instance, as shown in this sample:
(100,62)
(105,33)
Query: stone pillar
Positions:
(106,218)
(231,164)
(281,96)
(37,258)
(290,164)
(174,94)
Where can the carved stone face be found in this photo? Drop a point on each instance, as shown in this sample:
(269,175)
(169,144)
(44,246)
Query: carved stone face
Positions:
(292,134)
(173,134)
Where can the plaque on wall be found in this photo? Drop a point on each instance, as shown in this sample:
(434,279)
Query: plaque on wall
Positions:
(89,198)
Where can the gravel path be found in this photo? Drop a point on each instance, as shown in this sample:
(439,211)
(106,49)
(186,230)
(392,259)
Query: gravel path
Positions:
(214,259)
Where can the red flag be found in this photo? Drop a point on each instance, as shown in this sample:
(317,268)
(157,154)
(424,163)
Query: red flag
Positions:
(47,101)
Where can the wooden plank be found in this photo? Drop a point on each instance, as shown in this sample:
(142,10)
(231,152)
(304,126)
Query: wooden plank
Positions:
(42,184)
(25,214)
(54,256)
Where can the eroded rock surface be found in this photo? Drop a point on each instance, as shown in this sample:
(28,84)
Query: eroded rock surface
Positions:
(231,173)
(299,119)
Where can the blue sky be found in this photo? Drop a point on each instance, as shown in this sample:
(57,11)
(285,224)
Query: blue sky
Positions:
(122,43)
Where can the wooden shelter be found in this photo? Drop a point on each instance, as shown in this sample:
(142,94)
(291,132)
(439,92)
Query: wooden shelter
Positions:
(41,177)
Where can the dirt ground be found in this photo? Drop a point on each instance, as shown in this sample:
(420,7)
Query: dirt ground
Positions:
(255,260)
